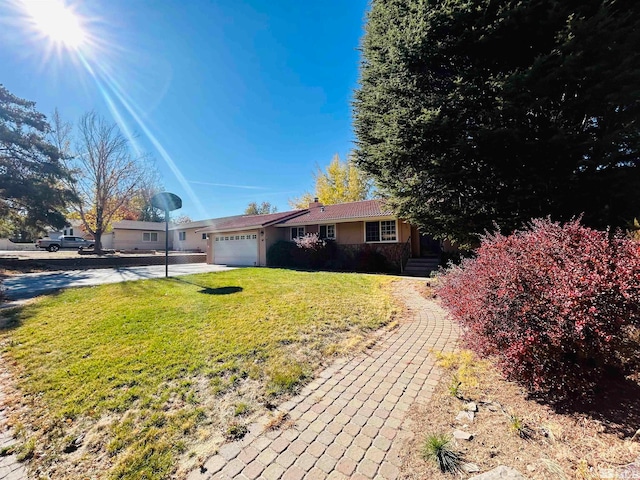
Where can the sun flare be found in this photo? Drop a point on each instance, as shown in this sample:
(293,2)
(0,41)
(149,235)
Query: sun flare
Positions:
(56,21)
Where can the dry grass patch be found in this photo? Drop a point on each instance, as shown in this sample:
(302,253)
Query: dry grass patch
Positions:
(144,379)
(510,429)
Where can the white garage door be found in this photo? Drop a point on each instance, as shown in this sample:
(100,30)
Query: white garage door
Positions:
(240,248)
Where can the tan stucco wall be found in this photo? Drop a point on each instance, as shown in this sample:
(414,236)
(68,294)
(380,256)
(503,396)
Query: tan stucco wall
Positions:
(415,242)
(132,240)
(193,240)
(349,233)
(262,248)
(404,231)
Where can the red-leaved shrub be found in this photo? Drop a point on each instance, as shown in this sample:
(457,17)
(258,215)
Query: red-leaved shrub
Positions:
(552,302)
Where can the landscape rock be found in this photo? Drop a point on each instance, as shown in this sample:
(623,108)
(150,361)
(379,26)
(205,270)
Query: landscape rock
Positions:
(500,473)
(471,407)
(470,468)
(460,435)
(631,471)
(465,416)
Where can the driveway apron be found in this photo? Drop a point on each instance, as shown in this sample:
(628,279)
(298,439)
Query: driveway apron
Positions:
(349,422)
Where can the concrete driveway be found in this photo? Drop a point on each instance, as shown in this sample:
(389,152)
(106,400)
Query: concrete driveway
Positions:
(29,285)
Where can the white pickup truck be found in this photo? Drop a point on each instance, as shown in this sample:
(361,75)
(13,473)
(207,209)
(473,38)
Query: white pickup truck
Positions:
(65,241)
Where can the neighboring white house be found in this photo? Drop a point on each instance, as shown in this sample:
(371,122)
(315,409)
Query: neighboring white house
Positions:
(135,235)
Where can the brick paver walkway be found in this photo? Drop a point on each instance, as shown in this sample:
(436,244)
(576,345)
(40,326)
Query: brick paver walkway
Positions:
(350,422)
(10,468)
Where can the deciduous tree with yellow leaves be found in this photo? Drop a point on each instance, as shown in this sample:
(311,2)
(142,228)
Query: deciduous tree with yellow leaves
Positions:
(340,182)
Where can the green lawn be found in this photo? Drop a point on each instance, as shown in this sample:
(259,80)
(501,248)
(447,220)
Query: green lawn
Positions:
(142,368)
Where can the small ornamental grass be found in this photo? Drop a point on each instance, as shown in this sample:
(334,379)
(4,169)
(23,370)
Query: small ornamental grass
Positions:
(436,449)
(554,303)
(520,428)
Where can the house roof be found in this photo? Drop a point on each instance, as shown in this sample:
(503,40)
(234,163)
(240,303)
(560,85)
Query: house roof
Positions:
(137,225)
(248,222)
(341,212)
(200,224)
(315,214)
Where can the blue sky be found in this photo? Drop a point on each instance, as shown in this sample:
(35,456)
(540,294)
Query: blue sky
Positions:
(243,97)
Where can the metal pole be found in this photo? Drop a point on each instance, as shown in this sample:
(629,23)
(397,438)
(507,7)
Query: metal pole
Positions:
(166,243)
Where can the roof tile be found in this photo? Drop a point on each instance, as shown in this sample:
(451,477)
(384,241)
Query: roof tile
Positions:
(244,222)
(342,211)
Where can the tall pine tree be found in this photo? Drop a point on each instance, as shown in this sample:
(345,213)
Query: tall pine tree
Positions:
(32,197)
(471,112)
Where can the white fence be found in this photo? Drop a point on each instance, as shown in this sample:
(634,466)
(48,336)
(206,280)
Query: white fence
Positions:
(6,244)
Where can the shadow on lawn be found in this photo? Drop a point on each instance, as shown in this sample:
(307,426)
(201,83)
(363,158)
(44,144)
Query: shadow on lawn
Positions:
(13,316)
(212,291)
(10,318)
(220,290)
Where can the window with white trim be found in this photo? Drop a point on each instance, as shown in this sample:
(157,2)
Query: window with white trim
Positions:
(388,231)
(149,236)
(328,231)
(182,236)
(382,231)
(297,232)
(204,236)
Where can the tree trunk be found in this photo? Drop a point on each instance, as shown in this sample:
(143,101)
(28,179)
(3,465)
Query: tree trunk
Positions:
(97,237)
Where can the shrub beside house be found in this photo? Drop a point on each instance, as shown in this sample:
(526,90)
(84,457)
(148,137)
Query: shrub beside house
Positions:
(556,304)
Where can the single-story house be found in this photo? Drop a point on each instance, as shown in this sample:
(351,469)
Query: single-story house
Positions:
(245,240)
(135,235)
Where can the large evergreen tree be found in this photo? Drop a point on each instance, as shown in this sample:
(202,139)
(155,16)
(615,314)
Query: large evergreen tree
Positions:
(471,112)
(32,197)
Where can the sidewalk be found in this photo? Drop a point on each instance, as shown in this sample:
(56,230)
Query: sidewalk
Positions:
(350,422)
(10,468)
